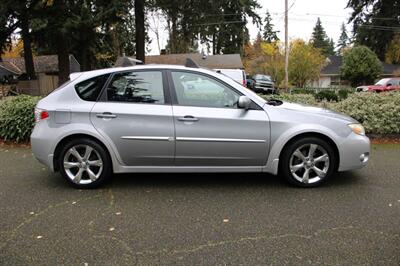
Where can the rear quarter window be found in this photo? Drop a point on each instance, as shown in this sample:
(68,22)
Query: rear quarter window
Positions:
(90,89)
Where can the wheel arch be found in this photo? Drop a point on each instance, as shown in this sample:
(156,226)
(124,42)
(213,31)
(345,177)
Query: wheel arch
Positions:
(68,138)
(315,135)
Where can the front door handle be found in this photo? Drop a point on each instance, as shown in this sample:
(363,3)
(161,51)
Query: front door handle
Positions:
(188,118)
(106,115)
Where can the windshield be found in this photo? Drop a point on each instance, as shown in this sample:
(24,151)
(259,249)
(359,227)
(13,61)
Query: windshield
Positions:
(382,82)
(263,77)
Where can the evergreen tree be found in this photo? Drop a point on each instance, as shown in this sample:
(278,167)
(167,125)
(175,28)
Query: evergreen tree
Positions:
(320,40)
(269,34)
(375,23)
(331,47)
(343,39)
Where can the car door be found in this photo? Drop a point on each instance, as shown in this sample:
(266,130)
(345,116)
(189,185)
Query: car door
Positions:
(135,115)
(210,129)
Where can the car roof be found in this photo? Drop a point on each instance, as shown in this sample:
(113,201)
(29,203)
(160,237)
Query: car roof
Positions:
(137,67)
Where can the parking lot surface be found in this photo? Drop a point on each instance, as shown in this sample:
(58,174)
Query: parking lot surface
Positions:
(192,219)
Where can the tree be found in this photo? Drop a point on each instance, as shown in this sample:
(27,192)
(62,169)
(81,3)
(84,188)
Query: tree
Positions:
(14,49)
(360,65)
(87,29)
(320,40)
(265,58)
(140,30)
(18,15)
(374,23)
(305,63)
(343,39)
(269,34)
(219,23)
(392,55)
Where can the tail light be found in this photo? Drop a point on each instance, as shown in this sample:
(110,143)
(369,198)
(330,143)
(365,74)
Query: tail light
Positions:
(40,114)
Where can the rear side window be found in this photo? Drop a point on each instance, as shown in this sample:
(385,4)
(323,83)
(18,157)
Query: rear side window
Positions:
(137,87)
(90,89)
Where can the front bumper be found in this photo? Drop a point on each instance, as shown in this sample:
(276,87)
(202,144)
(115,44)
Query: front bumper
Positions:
(354,152)
(266,89)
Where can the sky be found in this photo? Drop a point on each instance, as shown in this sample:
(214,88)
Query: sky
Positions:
(303,15)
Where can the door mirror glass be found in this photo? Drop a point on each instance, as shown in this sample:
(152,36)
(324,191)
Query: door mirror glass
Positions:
(244,102)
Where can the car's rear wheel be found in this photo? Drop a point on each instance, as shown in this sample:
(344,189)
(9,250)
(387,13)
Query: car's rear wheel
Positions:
(308,162)
(84,163)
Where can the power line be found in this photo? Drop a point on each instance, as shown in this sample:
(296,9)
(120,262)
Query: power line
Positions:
(222,22)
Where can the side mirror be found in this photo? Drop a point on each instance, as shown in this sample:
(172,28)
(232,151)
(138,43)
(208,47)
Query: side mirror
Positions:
(388,85)
(244,102)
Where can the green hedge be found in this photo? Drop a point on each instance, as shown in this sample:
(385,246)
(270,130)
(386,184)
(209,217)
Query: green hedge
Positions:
(17,117)
(378,112)
(326,95)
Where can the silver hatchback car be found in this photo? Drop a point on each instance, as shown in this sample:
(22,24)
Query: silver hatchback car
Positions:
(161,118)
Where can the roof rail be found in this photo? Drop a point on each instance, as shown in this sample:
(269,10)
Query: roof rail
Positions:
(191,63)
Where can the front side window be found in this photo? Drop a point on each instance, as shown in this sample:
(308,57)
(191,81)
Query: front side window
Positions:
(90,89)
(202,91)
(136,87)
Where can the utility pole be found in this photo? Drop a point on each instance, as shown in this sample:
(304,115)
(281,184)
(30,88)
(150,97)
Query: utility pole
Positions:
(286,47)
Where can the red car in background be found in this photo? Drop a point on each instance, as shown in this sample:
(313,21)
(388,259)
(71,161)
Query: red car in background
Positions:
(387,84)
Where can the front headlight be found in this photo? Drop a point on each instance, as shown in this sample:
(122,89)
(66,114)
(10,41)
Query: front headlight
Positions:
(358,129)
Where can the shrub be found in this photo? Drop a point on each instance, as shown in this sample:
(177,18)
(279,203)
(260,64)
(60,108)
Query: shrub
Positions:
(302,91)
(360,65)
(379,113)
(328,95)
(343,94)
(17,118)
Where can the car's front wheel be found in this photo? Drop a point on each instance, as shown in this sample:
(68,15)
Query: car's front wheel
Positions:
(84,163)
(308,162)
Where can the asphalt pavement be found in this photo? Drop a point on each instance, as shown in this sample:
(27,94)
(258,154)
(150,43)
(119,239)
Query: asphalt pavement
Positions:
(199,219)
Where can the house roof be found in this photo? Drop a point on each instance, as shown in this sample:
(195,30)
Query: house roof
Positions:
(223,61)
(42,63)
(335,62)
(388,69)
(8,68)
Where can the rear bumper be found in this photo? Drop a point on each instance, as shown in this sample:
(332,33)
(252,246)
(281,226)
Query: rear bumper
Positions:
(354,152)
(42,148)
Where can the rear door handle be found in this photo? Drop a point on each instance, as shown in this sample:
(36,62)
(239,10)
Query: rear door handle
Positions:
(188,118)
(106,115)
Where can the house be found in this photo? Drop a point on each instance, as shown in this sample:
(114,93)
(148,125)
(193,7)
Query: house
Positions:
(46,69)
(330,74)
(8,69)
(223,61)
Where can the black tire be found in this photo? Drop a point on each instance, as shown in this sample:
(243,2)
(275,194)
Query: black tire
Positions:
(288,158)
(98,151)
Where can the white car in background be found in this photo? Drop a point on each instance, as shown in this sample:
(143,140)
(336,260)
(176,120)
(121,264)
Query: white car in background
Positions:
(237,75)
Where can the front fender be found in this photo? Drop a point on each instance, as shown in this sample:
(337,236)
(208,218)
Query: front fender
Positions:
(277,145)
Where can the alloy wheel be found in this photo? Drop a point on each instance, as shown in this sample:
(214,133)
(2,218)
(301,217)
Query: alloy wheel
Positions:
(309,163)
(83,164)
